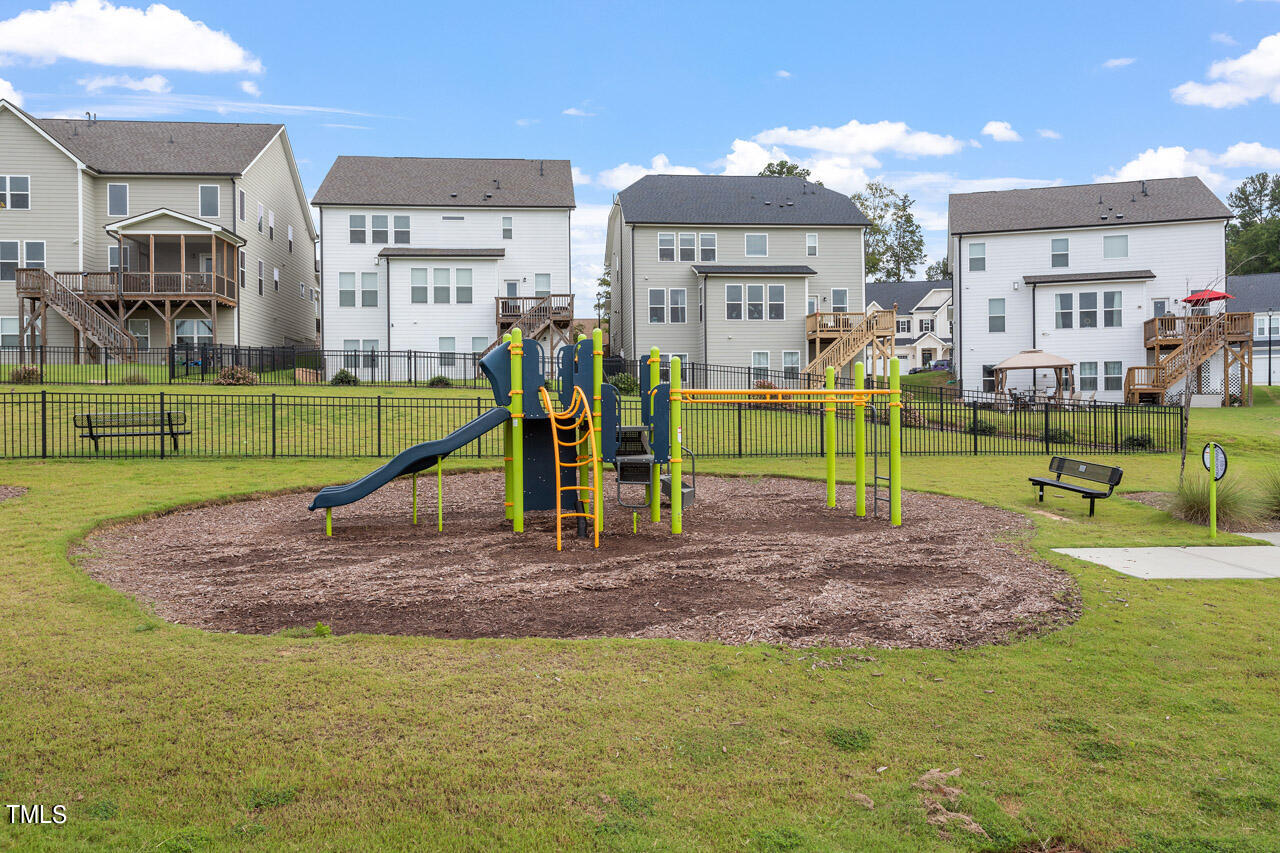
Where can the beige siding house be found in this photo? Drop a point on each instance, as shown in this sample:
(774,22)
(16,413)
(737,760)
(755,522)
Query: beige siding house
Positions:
(134,235)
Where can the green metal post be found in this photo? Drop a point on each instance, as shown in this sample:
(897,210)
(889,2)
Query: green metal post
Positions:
(415,499)
(507,458)
(860,443)
(440,495)
(597,412)
(517,430)
(655,483)
(829,437)
(677,494)
(328,521)
(895,444)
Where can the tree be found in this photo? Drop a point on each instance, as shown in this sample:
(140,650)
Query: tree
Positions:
(1253,238)
(894,241)
(938,270)
(785,169)
(604,293)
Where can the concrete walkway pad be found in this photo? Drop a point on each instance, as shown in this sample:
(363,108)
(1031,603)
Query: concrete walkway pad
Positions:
(1216,563)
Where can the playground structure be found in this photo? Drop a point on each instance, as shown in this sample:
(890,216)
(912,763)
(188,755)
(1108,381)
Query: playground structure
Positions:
(553,459)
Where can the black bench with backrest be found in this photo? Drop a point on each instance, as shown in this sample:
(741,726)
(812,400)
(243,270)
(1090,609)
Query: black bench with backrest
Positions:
(1091,472)
(99,425)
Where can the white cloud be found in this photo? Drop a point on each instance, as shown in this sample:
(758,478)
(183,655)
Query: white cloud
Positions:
(587,234)
(580,178)
(152,106)
(338,126)
(527,122)
(156,83)
(100,33)
(625,174)
(1169,162)
(1223,38)
(748,158)
(783,73)
(1250,155)
(1238,81)
(10,94)
(1119,62)
(863,141)
(1049,134)
(250,88)
(1001,131)
(577,111)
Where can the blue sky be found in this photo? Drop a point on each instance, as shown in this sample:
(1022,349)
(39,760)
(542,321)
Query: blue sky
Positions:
(931,97)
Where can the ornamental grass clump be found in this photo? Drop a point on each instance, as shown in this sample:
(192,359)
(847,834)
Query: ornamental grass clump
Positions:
(1238,508)
(1270,497)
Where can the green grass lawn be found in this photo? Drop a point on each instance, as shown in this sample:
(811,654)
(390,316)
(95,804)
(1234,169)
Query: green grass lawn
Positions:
(1149,725)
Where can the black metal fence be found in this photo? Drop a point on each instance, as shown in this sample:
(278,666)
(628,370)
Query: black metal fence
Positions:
(51,424)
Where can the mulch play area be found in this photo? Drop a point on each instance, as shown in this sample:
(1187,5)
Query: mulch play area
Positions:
(762,560)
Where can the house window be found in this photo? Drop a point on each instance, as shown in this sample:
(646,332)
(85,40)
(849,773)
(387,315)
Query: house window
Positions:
(271,224)
(291,239)
(378,233)
(707,248)
(791,364)
(355,227)
(926,325)
(275,278)
(193,333)
(418,285)
(262,213)
(371,353)
(688,247)
(33,254)
(812,305)
(302,291)
(210,202)
(141,331)
(350,345)
(1088,376)
(8,260)
(679,305)
(1115,246)
(262,274)
(1113,375)
(666,247)
(448,346)
(995,315)
(989,378)
(1059,252)
(1112,313)
(1088,310)
(759,366)
(15,192)
(840,299)
(346,290)
(1159,307)
(757,245)
(462,281)
(733,302)
(479,344)
(400,227)
(369,289)
(977,257)
(113,258)
(441,278)
(242,262)
(755,301)
(1062,311)
(777,302)
(811,250)
(507,228)
(243,211)
(657,305)
(904,327)
(117,199)
(8,331)
(542,284)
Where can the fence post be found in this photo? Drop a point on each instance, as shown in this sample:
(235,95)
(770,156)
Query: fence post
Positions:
(479,412)
(1115,427)
(273,424)
(973,424)
(379,425)
(44,425)
(106,375)
(162,422)
(739,430)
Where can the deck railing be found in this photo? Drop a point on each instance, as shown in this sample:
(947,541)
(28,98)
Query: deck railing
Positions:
(553,306)
(134,285)
(840,322)
(1237,326)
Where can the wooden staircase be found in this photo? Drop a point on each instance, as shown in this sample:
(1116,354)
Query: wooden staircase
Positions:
(539,315)
(1150,383)
(97,326)
(859,332)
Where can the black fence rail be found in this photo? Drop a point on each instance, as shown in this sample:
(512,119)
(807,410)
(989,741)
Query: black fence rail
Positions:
(51,424)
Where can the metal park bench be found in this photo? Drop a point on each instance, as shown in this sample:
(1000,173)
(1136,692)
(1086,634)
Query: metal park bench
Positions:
(1090,472)
(99,425)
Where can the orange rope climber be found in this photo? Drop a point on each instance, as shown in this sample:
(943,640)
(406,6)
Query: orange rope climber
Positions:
(570,421)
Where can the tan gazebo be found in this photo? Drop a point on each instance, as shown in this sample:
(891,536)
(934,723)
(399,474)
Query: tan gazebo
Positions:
(1036,359)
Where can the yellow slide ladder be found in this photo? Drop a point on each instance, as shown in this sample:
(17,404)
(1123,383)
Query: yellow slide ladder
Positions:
(571,421)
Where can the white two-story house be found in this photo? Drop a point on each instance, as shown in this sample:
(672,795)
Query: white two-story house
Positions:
(755,272)
(922,320)
(1082,272)
(443,255)
(1259,293)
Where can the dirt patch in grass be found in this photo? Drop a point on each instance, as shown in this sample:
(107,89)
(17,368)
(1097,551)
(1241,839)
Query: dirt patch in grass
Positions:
(761,560)
(7,492)
(1159,500)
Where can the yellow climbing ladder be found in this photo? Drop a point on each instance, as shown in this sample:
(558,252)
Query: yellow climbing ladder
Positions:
(571,421)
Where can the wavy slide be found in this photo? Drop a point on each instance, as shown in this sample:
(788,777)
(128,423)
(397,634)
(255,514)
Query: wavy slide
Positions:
(420,457)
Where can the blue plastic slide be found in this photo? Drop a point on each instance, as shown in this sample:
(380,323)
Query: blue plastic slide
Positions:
(420,457)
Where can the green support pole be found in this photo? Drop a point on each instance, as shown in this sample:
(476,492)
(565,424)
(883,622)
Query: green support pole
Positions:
(860,443)
(655,482)
(415,499)
(1213,500)
(328,521)
(597,412)
(517,430)
(677,482)
(895,444)
(829,437)
(508,504)
(440,495)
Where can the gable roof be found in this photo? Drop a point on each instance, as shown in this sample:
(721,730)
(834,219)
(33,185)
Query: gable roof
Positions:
(907,294)
(1258,292)
(1122,203)
(161,147)
(447,182)
(735,200)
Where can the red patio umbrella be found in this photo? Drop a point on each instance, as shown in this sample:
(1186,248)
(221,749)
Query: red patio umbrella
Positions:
(1204,297)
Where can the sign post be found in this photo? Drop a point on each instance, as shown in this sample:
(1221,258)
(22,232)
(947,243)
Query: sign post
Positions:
(1215,462)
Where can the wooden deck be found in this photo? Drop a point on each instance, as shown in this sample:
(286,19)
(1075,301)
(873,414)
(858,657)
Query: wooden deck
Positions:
(134,285)
(1171,331)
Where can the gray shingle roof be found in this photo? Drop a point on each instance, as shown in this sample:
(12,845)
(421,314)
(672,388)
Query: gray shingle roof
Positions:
(753,269)
(907,294)
(406,252)
(161,147)
(1068,277)
(447,182)
(1123,203)
(735,200)
(1259,292)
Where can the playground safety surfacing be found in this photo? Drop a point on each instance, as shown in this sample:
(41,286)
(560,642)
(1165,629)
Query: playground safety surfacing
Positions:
(761,560)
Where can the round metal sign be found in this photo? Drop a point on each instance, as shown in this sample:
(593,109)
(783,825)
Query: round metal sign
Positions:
(1215,460)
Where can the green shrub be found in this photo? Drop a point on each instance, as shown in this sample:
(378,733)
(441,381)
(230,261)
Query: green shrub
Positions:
(849,740)
(981,427)
(25,375)
(1237,507)
(764,385)
(439,382)
(137,377)
(236,374)
(1270,482)
(344,377)
(627,385)
(1137,442)
(1058,435)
